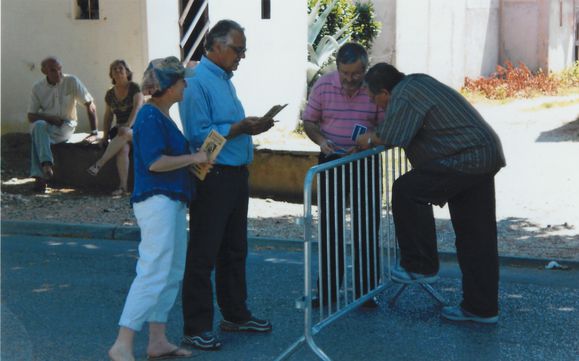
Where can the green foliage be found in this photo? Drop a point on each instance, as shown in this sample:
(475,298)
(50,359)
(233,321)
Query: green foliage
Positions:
(331,23)
(300,129)
(569,77)
(364,28)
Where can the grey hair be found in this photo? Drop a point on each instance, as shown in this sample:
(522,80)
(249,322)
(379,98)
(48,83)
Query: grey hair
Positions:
(350,53)
(49,59)
(221,33)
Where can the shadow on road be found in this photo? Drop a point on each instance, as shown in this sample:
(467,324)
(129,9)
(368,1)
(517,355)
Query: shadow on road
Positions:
(565,133)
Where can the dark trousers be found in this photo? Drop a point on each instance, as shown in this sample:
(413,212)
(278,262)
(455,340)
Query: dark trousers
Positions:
(471,201)
(217,239)
(365,224)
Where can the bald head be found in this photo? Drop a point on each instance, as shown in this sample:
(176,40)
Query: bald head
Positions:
(52,68)
(50,60)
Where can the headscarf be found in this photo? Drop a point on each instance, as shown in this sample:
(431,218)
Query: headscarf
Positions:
(162,74)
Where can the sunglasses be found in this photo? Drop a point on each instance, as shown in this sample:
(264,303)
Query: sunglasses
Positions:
(238,49)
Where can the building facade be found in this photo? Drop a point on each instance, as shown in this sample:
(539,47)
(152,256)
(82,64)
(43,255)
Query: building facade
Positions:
(446,39)
(469,38)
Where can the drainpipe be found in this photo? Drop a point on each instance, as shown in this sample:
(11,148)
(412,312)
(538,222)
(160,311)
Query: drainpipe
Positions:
(501,37)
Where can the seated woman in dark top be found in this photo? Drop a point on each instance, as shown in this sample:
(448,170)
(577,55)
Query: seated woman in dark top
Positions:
(123,101)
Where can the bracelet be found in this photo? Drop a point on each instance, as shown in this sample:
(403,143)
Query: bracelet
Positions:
(94,132)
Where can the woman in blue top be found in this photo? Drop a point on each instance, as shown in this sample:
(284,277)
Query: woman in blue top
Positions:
(162,190)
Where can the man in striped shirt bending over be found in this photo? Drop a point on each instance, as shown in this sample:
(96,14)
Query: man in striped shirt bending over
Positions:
(455,155)
(338,111)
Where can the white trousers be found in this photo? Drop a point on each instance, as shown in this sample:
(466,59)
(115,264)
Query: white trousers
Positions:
(43,135)
(161,263)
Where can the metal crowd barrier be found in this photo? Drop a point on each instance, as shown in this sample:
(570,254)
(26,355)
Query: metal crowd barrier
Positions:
(354,234)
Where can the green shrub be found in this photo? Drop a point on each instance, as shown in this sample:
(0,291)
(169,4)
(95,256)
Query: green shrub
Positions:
(364,29)
(569,77)
(331,23)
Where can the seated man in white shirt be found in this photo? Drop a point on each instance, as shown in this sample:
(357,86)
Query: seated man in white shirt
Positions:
(52,113)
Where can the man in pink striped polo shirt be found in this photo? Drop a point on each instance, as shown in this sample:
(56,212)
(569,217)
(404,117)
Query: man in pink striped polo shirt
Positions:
(339,109)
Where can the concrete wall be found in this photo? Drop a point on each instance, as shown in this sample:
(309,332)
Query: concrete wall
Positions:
(133,30)
(446,39)
(561,35)
(453,39)
(384,46)
(430,38)
(481,37)
(522,26)
(274,70)
(539,33)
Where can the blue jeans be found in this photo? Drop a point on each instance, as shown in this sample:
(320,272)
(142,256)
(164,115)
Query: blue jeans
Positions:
(43,135)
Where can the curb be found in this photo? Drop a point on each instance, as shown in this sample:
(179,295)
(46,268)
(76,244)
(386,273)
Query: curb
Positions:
(69,230)
(126,233)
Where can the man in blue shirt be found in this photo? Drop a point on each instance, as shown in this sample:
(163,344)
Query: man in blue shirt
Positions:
(218,217)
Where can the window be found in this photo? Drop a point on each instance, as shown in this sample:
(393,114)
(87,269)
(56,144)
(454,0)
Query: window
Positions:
(266,9)
(87,9)
(194,24)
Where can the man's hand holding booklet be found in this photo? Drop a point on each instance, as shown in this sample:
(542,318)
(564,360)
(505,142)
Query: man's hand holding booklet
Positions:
(258,125)
(215,141)
(272,112)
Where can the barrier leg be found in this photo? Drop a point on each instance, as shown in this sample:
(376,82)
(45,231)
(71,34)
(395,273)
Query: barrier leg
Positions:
(425,286)
(397,294)
(434,293)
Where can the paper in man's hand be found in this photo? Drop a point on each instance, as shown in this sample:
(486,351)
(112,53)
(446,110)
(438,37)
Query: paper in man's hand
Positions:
(273,112)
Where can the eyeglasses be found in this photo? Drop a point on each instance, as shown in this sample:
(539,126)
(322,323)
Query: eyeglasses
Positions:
(354,75)
(374,95)
(238,49)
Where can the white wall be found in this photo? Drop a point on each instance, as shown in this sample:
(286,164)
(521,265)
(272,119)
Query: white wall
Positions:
(521,29)
(384,46)
(538,33)
(561,35)
(430,38)
(160,24)
(274,70)
(33,29)
(481,37)
(161,37)
(446,39)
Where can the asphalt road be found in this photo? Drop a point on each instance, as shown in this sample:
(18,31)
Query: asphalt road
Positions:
(61,299)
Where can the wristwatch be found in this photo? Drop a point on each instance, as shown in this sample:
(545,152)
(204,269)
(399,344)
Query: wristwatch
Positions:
(370,141)
(94,132)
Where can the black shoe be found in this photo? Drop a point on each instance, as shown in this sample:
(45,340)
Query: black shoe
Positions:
(371,303)
(206,341)
(40,186)
(251,325)
(457,313)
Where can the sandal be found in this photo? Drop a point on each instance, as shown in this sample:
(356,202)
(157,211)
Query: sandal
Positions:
(93,170)
(119,192)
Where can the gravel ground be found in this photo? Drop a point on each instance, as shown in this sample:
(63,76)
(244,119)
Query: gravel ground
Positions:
(537,194)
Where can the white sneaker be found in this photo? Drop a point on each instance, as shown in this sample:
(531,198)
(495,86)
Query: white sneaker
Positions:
(400,275)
